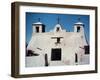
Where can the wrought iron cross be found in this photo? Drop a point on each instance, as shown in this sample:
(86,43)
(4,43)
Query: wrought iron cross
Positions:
(39,19)
(58,20)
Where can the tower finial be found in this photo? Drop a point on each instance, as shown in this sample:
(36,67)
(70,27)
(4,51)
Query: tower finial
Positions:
(58,20)
(39,19)
(79,19)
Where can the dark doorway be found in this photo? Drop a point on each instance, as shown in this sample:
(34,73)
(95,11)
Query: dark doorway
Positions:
(56,54)
(37,29)
(76,58)
(46,60)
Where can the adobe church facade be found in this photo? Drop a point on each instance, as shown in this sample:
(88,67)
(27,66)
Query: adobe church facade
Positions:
(58,46)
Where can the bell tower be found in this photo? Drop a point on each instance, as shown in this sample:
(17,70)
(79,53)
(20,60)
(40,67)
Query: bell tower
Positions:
(38,27)
(79,28)
(58,27)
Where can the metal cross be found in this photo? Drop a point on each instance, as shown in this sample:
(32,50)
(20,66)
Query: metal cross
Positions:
(39,19)
(58,20)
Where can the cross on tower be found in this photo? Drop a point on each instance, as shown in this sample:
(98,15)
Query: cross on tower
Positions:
(39,19)
(79,19)
(58,20)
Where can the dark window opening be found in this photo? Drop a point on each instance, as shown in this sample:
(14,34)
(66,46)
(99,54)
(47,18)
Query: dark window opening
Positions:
(76,58)
(58,40)
(43,28)
(57,29)
(37,29)
(87,49)
(78,29)
(56,54)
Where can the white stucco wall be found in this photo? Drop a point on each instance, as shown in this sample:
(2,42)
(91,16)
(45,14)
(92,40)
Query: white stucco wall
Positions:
(70,44)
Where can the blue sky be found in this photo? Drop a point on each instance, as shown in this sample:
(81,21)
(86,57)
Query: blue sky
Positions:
(50,20)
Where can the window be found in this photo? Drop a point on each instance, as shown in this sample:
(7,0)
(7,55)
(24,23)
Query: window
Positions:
(43,28)
(86,49)
(78,29)
(37,29)
(56,54)
(57,29)
(58,40)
